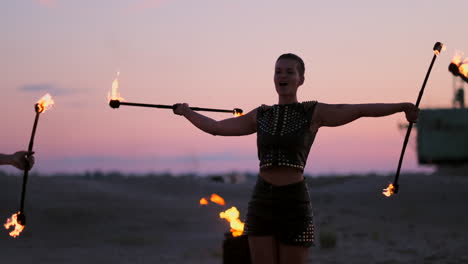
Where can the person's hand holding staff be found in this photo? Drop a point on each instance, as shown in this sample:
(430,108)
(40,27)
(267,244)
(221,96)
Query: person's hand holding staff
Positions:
(393,187)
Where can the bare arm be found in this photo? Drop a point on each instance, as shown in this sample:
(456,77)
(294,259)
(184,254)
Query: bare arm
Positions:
(236,126)
(340,114)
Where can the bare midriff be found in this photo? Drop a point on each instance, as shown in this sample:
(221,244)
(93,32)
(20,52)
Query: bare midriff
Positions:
(281,175)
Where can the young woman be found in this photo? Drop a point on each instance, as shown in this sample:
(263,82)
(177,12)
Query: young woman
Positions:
(279,220)
(21,159)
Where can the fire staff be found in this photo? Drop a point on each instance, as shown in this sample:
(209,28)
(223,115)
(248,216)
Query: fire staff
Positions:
(393,187)
(279,220)
(18,220)
(115,101)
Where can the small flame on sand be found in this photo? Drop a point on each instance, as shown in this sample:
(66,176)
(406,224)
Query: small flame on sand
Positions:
(214,198)
(203,201)
(389,191)
(44,103)
(217,199)
(114,94)
(232,216)
(13,222)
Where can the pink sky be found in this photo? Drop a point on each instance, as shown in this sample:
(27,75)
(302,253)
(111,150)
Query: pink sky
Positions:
(216,54)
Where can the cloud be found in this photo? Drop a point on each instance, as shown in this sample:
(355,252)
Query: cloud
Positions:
(49,88)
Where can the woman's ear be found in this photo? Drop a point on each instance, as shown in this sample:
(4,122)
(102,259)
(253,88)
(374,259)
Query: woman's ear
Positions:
(301,80)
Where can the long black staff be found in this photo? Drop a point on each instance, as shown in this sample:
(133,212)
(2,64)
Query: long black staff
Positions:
(393,188)
(117,103)
(18,220)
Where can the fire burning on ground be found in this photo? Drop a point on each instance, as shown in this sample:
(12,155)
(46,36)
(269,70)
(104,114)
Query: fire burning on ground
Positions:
(231,215)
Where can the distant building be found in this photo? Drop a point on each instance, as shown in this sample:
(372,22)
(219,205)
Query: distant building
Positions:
(443,137)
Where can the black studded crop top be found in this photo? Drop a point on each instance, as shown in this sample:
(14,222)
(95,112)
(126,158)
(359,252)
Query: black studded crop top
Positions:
(283,134)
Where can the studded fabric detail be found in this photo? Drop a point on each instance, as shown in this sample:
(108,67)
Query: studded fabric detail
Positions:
(307,235)
(283,134)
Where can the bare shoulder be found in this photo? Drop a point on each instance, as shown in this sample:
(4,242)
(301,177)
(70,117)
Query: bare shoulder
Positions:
(264,108)
(308,105)
(316,122)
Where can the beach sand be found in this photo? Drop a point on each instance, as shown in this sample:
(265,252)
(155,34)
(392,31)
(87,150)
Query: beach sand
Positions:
(116,219)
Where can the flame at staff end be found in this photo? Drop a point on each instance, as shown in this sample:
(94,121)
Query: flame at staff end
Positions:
(13,222)
(114,93)
(457,58)
(44,103)
(463,68)
(439,48)
(459,66)
(389,190)
(237,112)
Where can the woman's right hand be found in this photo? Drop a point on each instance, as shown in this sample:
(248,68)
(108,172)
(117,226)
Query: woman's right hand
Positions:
(180,109)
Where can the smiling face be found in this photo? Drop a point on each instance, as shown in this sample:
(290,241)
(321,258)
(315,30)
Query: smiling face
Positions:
(287,77)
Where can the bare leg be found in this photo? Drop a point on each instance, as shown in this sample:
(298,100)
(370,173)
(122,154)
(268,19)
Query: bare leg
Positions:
(263,249)
(292,254)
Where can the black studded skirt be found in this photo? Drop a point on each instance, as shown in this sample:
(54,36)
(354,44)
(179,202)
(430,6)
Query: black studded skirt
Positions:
(284,212)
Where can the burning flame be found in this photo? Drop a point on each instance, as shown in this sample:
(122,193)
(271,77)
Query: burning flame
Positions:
(437,52)
(44,103)
(114,94)
(457,58)
(232,216)
(203,201)
(463,68)
(237,113)
(214,198)
(217,199)
(389,191)
(13,222)
(461,63)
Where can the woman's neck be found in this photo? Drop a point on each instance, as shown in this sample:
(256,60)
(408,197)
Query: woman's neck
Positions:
(287,100)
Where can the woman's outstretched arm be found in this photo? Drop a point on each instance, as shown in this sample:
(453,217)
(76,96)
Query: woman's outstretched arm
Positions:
(340,114)
(236,126)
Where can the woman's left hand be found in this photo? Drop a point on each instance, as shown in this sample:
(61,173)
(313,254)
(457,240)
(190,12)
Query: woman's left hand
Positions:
(23,160)
(411,112)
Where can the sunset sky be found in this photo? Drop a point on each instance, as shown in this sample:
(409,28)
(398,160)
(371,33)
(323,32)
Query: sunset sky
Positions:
(219,54)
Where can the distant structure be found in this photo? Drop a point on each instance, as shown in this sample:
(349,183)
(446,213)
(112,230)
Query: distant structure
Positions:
(443,133)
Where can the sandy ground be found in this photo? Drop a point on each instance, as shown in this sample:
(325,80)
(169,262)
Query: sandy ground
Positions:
(158,219)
